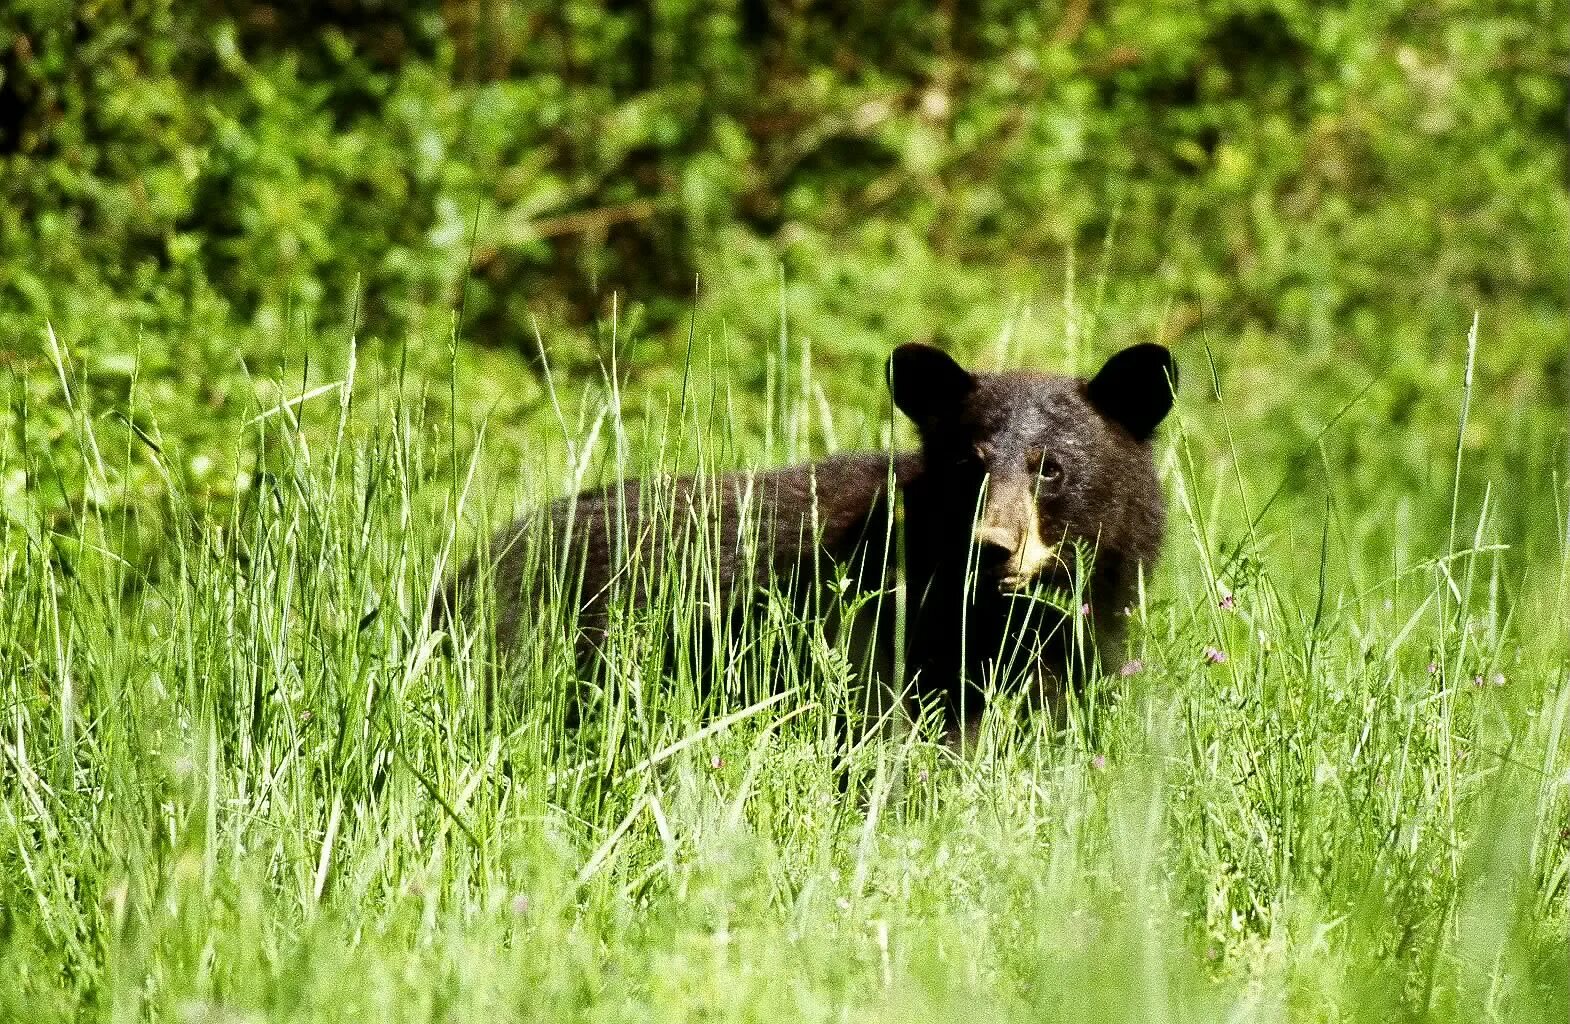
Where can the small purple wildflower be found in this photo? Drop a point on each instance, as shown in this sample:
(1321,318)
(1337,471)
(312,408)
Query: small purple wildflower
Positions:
(1215,655)
(520,904)
(1098,762)
(1433,668)
(1499,679)
(922,775)
(1227,603)
(1477,680)
(1131,668)
(1084,609)
(716,762)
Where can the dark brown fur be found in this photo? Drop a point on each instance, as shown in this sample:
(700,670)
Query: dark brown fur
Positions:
(1073,454)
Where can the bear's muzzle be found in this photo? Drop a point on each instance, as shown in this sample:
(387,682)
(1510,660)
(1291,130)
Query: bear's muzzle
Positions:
(1008,535)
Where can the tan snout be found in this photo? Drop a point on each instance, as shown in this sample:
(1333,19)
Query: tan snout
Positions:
(1010,524)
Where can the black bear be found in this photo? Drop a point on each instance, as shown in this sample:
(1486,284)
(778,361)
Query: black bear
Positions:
(1025,484)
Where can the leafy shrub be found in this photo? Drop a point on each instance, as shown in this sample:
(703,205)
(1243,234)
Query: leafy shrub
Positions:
(1333,190)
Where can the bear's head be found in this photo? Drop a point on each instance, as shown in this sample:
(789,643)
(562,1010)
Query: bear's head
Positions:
(1043,461)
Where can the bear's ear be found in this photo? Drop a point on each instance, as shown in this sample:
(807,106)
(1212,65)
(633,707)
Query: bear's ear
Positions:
(926,382)
(1135,388)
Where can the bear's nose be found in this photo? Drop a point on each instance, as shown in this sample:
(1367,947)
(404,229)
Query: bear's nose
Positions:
(995,546)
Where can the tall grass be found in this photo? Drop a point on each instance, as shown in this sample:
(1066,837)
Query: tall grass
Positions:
(246,780)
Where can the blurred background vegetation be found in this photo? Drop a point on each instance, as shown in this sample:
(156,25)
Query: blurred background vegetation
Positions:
(204,197)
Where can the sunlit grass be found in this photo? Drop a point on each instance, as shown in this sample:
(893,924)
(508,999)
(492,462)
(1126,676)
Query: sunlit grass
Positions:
(246,779)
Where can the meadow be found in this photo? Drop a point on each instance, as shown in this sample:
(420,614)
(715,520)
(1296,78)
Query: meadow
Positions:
(247,781)
(299,303)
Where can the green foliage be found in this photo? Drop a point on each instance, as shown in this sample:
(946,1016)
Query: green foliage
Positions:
(267,272)
(1339,190)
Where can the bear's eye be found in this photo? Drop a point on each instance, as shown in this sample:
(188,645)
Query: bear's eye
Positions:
(1050,470)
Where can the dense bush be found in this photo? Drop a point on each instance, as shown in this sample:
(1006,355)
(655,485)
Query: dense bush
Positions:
(1335,188)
